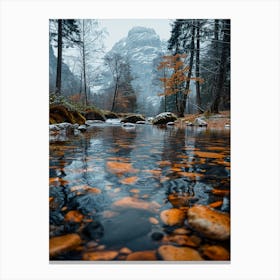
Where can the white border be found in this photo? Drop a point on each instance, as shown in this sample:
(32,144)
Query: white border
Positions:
(24,138)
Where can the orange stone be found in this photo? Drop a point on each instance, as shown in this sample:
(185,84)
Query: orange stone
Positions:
(209,222)
(172,217)
(116,167)
(73,216)
(215,252)
(131,202)
(173,253)
(100,256)
(129,180)
(64,243)
(142,256)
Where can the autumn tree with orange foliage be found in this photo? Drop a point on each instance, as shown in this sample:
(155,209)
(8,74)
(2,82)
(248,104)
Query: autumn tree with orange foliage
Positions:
(175,83)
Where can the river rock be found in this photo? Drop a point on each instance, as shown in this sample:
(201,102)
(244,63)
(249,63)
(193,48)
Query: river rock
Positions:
(173,253)
(93,122)
(172,217)
(100,256)
(209,222)
(164,118)
(133,118)
(131,202)
(200,122)
(73,216)
(125,251)
(182,240)
(82,128)
(64,243)
(215,252)
(94,115)
(142,256)
(128,125)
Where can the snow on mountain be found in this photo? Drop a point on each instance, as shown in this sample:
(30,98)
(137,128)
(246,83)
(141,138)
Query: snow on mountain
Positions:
(142,47)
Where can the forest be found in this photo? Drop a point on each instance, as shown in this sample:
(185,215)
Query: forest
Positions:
(192,74)
(139,142)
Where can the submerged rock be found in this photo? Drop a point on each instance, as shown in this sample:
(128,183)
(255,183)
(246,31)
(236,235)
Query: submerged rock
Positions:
(173,253)
(215,252)
(142,256)
(100,256)
(164,118)
(126,227)
(64,243)
(200,122)
(131,202)
(94,115)
(133,118)
(82,128)
(209,222)
(172,217)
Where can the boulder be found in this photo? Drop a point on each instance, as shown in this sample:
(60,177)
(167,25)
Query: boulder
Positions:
(110,115)
(200,122)
(131,202)
(173,253)
(142,256)
(164,118)
(209,222)
(133,118)
(64,243)
(82,128)
(172,217)
(100,256)
(215,252)
(94,115)
(60,113)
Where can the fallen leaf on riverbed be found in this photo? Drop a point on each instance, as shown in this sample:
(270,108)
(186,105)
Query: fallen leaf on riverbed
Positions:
(131,202)
(164,163)
(100,256)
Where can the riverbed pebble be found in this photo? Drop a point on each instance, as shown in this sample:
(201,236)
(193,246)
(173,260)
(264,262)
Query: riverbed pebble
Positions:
(64,243)
(215,252)
(172,217)
(173,253)
(100,256)
(142,256)
(209,222)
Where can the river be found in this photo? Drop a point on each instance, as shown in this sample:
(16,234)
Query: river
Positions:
(94,175)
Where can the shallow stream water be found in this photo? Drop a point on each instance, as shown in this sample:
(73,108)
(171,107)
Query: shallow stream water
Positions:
(160,167)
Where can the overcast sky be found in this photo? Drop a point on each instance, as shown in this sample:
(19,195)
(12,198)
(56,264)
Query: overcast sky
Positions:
(118,28)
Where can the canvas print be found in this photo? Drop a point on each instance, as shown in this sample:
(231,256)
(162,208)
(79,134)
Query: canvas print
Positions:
(139,140)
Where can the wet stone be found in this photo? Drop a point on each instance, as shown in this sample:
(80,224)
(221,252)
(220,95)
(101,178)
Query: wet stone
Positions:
(64,243)
(142,256)
(100,256)
(214,252)
(157,236)
(172,217)
(173,253)
(209,222)
(93,230)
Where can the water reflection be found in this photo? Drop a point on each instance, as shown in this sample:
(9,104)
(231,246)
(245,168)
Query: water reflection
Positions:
(167,166)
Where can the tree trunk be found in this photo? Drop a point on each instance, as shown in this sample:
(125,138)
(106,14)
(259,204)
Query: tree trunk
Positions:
(115,95)
(84,65)
(197,70)
(59,58)
(187,88)
(222,69)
